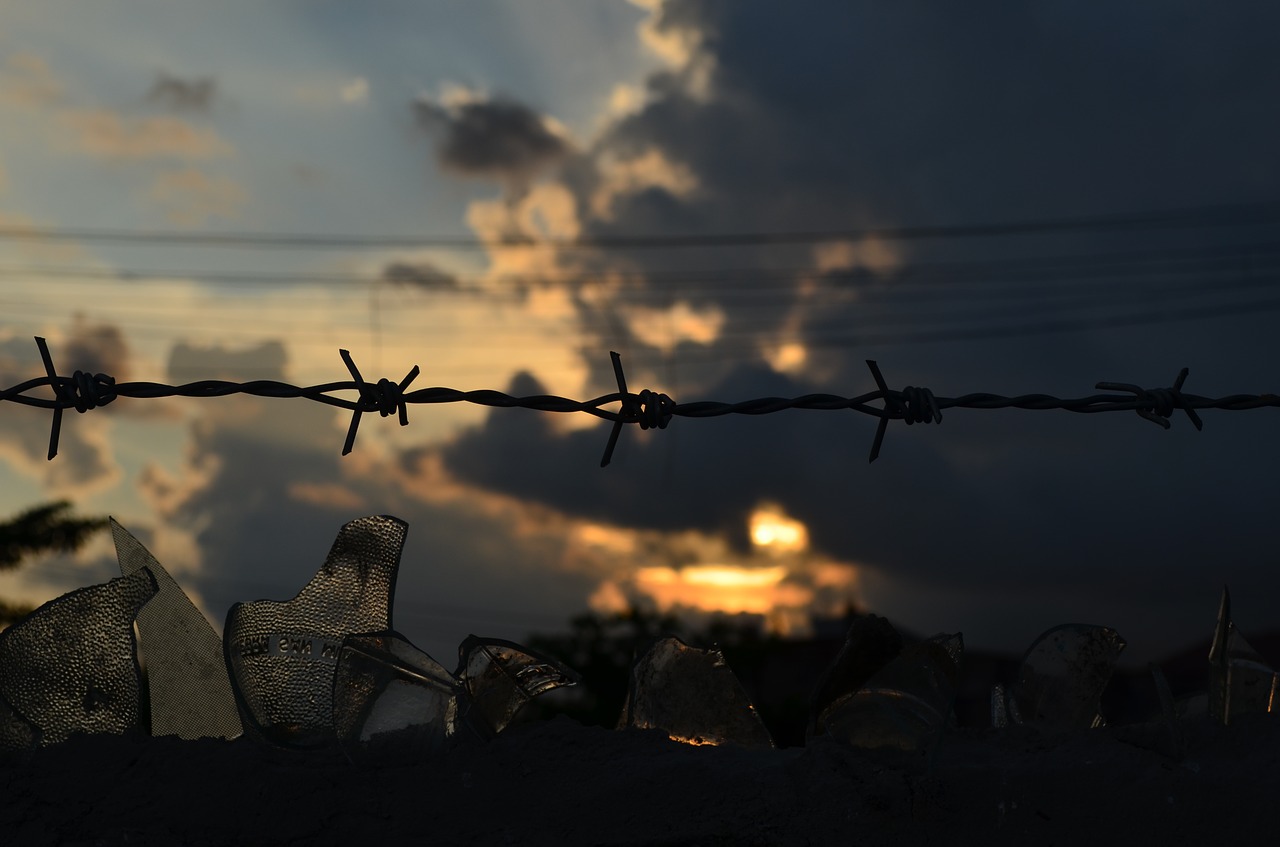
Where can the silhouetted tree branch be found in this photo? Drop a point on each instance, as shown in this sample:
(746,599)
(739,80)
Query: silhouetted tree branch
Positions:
(48,528)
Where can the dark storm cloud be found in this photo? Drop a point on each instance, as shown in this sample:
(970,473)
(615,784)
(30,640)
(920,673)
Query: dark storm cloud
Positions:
(96,348)
(190,95)
(498,138)
(873,115)
(422,275)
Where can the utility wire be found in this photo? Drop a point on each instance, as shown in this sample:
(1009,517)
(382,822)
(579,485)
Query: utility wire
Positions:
(1194,216)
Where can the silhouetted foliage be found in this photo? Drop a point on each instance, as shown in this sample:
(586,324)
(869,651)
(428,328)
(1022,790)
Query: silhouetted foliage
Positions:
(48,528)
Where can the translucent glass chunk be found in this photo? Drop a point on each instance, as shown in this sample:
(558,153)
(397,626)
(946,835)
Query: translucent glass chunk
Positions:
(190,694)
(870,644)
(1063,675)
(693,696)
(282,655)
(500,677)
(905,705)
(392,702)
(72,665)
(1240,680)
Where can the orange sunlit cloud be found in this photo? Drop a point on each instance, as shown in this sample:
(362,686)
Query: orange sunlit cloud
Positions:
(720,588)
(777,580)
(773,531)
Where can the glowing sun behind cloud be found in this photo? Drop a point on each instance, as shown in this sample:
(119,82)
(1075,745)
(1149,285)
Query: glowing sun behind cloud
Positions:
(778,580)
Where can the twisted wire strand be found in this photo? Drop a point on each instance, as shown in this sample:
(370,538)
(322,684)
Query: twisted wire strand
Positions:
(649,409)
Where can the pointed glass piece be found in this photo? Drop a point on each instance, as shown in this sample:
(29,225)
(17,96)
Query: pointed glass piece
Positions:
(905,705)
(282,655)
(190,694)
(392,702)
(72,664)
(500,677)
(870,644)
(1063,675)
(693,696)
(1240,680)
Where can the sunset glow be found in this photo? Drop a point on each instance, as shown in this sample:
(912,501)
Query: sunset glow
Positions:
(774,531)
(721,588)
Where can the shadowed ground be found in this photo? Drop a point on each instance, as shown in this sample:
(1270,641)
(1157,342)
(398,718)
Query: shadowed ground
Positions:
(558,782)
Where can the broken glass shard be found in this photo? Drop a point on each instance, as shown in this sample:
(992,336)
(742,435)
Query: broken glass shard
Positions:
(1063,675)
(282,655)
(392,702)
(500,677)
(1240,680)
(905,705)
(999,708)
(18,736)
(72,664)
(870,644)
(692,696)
(190,694)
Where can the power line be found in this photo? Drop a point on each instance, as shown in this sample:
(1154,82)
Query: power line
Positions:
(1194,216)
(1239,259)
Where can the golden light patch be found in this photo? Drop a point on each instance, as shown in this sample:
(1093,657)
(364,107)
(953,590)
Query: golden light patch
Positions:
(27,81)
(695,742)
(625,99)
(549,211)
(724,576)
(606,538)
(651,169)
(731,589)
(664,329)
(772,530)
(788,357)
(873,254)
(108,135)
(608,599)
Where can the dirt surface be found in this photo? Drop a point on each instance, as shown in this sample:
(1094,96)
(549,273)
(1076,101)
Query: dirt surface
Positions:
(559,782)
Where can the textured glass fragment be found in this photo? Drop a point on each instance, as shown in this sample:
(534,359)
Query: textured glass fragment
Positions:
(391,701)
(1063,675)
(905,705)
(72,665)
(500,677)
(282,655)
(693,696)
(870,644)
(190,694)
(17,734)
(1240,680)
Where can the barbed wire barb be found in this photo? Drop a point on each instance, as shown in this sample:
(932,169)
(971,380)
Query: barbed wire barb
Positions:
(384,398)
(81,392)
(1157,404)
(911,404)
(649,409)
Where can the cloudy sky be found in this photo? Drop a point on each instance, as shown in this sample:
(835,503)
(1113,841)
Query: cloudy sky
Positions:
(482,189)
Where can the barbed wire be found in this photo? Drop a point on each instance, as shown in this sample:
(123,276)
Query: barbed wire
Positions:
(649,409)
